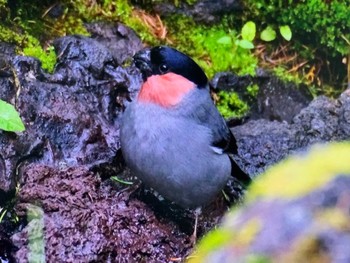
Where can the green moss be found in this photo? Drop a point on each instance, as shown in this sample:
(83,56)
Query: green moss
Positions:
(9,36)
(321,38)
(230,105)
(48,58)
(309,172)
(283,74)
(29,30)
(33,48)
(213,47)
(4,11)
(69,24)
(323,24)
(107,10)
(253,90)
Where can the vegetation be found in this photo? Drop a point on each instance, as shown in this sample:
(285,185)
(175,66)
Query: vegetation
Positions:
(213,47)
(301,41)
(320,47)
(9,118)
(321,24)
(230,105)
(35,231)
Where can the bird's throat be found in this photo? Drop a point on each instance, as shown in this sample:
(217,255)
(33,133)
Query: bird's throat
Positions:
(165,90)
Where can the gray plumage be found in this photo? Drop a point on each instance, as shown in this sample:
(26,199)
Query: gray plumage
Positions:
(172,136)
(170,149)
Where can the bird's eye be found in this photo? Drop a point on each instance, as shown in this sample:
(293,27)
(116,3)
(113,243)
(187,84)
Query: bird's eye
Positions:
(163,68)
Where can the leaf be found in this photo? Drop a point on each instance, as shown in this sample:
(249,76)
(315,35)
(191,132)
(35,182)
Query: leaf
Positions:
(286,32)
(117,179)
(246,44)
(268,34)
(249,31)
(9,118)
(226,40)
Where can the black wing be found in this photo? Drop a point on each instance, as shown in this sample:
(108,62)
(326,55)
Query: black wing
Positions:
(222,137)
(228,144)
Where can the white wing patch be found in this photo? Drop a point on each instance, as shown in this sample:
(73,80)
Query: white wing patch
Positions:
(217,150)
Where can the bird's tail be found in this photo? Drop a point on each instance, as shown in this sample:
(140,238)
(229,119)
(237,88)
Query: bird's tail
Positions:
(239,174)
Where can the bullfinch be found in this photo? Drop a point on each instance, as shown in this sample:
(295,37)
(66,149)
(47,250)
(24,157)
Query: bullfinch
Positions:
(172,136)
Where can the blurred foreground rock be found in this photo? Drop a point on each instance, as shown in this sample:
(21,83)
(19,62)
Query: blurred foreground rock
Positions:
(297,212)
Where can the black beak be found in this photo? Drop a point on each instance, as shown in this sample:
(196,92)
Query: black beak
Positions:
(142,61)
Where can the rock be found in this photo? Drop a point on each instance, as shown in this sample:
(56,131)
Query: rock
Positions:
(6,246)
(230,82)
(262,143)
(71,116)
(206,11)
(322,120)
(297,212)
(276,99)
(121,41)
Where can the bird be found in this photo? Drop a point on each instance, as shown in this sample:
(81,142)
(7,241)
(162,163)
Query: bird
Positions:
(172,136)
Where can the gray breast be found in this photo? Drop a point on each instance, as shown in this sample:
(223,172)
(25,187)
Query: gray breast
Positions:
(172,155)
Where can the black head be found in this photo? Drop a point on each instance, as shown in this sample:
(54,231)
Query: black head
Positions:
(162,59)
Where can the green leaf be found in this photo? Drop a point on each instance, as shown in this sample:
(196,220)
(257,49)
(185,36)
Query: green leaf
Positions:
(248,31)
(286,32)
(268,34)
(246,44)
(9,118)
(226,40)
(117,179)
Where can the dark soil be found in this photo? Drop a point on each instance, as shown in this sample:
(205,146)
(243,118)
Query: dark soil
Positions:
(88,220)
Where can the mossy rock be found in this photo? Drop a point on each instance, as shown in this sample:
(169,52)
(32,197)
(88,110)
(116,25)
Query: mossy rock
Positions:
(298,211)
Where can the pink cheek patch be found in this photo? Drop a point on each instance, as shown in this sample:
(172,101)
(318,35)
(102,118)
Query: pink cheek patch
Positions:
(165,90)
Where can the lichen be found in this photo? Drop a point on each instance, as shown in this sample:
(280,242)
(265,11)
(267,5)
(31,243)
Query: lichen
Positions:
(306,249)
(299,175)
(290,179)
(247,232)
(334,218)
(220,238)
